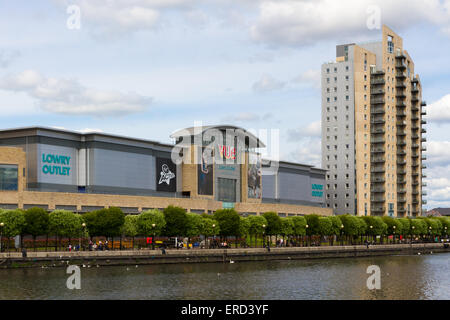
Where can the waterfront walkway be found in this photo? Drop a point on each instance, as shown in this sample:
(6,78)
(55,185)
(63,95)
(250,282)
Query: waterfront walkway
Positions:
(216,252)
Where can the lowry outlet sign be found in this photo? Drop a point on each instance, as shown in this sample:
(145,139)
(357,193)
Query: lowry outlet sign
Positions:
(56,164)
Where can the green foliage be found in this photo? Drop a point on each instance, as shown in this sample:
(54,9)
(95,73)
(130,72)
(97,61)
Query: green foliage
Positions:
(244,226)
(14,222)
(287,226)
(229,221)
(336,224)
(312,221)
(130,227)
(256,224)
(209,227)
(92,223)
(111,221)
(36,221)
(194,225)
(146,219)
(378,225)
(362,226)
(406,226)
(351,225)
(299,225)
(273,226)
(418,226)
(393,225)
(176,221)
(445,221)
(65,223)
(325,226)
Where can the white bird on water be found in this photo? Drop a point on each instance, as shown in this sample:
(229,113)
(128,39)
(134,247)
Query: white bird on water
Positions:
(231,261)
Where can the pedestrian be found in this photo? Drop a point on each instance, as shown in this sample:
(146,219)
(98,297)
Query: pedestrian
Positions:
(70,247)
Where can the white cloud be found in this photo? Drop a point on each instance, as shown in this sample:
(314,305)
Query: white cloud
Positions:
(311,130)
(307,151)
(267,83)
(310,77)
(438,152)
(296,22)
(68,96)
(439,111)
(115,17)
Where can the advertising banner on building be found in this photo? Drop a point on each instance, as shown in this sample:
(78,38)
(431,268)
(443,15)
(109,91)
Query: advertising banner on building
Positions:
(206,173)
(165,175)
(254,176)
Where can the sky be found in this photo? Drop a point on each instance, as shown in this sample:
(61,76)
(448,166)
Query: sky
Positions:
(146,68)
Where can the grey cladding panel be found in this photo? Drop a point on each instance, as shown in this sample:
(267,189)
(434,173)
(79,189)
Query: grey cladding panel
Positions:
(121,169)
(294,186)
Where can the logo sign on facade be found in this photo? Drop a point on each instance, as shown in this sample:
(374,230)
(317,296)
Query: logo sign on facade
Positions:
(227,205)
(317,190)
(165,175)
(227,152)
(56,164)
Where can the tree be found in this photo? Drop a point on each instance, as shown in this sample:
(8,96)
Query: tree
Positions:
(194,225)
(209,226)
(64,223)
(256,226)
(93,223)
(336,224)
(14,223)
(176,221)
(418,227)
(36,223)
(351,225)
(406,226)
(130,227)
(146,219)
(375,226)
(325,226)
(229,221)
(312,220)
(274,224)
(244,227)
(445,221)
(299,228)
(110,221)
(393,225)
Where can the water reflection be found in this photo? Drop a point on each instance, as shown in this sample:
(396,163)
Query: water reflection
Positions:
(402,277)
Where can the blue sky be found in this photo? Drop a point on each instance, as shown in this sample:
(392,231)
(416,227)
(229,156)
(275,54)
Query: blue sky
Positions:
(145,68)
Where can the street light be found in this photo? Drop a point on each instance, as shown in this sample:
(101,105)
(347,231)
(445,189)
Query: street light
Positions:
(394,227)
(413,227)
(342,231)
(1,235)
(371,227)
(429,233)
(264,235)
(214,234)
(79,244)
(153,240)
(307,237)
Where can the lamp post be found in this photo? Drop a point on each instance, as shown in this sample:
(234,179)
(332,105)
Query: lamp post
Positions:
(307,237)
(371,228)
(394,227)
(1,235)
(214,234)
(264,235)
(82,232)
(445,232)
(429,233)
(412,232)
(153,240)
(342,234)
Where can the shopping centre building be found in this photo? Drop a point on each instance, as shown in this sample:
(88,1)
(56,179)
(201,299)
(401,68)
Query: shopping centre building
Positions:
(206,169)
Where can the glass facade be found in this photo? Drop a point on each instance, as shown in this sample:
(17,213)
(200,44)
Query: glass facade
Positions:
(8,177)
(226,190)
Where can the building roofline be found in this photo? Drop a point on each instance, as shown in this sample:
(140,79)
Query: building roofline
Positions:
(84,134)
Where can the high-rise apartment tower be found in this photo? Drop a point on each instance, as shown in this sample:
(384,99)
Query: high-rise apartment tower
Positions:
(372,130)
